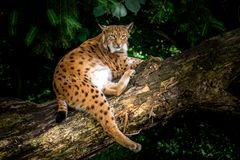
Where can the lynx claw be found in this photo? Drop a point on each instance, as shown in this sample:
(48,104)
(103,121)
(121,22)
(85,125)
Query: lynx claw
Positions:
(131,72)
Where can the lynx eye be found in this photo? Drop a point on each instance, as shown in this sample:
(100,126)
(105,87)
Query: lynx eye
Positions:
(124,36)
(111,37)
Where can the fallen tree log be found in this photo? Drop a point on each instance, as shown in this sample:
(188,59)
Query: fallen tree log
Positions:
(206,77)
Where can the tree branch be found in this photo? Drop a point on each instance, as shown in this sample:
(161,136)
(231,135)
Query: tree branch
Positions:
(199,77)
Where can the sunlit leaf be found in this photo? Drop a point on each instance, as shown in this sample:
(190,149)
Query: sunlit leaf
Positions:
(204,30)
(72,22)
(13,18)
(72,25)
(31,35)
(49,53)
(12,30)
(118,10)
(13,22)
(217,24)
(52,17)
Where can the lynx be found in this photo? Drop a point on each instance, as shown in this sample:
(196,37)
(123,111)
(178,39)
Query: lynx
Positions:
(84,77)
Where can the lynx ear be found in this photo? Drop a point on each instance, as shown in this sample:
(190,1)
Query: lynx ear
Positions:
(129,27)
(102,26)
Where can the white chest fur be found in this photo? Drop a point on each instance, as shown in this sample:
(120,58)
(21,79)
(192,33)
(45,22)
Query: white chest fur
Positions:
(100,76)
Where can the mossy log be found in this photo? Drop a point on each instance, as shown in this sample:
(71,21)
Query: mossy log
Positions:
(206,77)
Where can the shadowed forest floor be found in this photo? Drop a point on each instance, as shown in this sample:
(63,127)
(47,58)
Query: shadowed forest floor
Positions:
(192,135)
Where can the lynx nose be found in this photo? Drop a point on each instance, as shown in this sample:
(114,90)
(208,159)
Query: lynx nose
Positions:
(118,46)
(118,43)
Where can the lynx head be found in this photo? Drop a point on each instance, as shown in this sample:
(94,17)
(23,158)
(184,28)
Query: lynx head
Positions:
(115,37)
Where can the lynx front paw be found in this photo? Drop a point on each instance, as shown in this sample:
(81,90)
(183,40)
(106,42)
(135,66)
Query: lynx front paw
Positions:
(130,72)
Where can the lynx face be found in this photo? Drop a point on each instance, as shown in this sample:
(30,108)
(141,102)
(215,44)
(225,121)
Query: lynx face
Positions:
(115,38)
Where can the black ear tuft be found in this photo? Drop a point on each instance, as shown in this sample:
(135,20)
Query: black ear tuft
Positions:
(102,26)
(129,27)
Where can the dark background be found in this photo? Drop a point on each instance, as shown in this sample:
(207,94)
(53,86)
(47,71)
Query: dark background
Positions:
(35,35)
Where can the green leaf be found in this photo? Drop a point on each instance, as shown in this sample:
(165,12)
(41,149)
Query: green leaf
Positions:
(142,1)
(217,24)
(72,22)
(98,11)
(52,17)
(72,25)
(118,10)
(133,5)
(13,23)
(13,18)
(83,34)
(31,35)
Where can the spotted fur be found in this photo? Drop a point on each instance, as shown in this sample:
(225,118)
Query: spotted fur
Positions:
(85,75)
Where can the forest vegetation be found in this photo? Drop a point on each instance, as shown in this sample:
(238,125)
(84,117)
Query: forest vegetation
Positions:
(34,35)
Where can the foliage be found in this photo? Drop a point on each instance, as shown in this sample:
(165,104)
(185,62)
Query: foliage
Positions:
(34,35)
(42,97)
(194,20)
(117,8)
(193,135)
(57,25)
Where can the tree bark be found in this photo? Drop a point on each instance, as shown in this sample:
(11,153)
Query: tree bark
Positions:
(206,77)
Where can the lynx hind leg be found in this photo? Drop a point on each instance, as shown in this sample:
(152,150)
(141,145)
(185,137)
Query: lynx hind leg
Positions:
(61,110)
(105,116)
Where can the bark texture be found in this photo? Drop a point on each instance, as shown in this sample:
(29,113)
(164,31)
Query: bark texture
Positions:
(206,76)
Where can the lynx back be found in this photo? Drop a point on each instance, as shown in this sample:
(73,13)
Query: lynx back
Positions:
(84,76)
